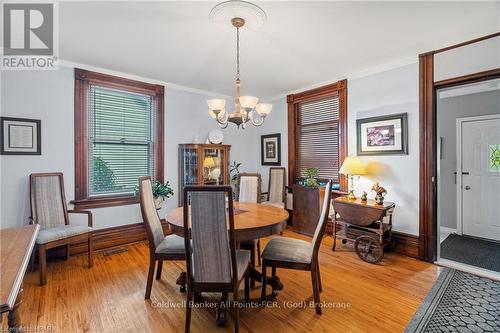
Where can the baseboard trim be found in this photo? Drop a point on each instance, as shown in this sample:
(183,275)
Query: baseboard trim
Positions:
(405,244)
(110,237)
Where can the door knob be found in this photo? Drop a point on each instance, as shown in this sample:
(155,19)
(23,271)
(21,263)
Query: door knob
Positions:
(467,187)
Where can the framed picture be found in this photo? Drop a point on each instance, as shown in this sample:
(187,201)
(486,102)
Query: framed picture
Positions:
(19,136)
(383,135)
(271,149)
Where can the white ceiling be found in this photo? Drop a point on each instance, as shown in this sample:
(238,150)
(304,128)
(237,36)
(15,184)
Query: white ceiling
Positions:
(302,44)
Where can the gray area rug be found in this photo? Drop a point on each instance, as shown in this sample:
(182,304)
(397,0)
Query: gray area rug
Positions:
(472,251)
(459,302)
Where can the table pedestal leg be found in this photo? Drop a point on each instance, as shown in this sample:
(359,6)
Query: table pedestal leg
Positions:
(13,318)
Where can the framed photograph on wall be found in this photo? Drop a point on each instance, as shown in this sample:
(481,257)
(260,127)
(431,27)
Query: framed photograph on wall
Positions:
(383,135)
(20,136)
(271,149)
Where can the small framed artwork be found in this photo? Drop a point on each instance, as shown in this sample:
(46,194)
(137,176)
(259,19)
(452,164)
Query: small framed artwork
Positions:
(271,149)
(20,136)
(383,135)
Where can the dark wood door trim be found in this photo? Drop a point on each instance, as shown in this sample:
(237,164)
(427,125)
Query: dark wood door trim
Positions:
(472,41)
(428,159)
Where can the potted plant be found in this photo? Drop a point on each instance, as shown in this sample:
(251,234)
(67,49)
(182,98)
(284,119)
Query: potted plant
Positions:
(161,191)
(312,177)
(234,172)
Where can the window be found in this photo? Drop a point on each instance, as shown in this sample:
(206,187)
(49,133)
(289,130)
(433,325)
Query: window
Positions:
(318,131)
(118,138)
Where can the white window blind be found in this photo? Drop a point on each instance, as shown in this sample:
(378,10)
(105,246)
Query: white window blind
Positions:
(317,138)
(121,126)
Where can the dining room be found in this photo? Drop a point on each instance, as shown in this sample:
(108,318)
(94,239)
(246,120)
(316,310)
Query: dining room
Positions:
(203,166)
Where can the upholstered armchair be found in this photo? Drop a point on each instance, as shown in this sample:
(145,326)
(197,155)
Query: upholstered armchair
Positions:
(49,210)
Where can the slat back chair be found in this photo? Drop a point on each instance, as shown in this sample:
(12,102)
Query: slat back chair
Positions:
(249,186)
(49,210)
(291,253)
(212,261)
(276,190)
(161,248)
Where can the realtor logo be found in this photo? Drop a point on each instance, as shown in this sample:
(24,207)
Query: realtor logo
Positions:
(29,36)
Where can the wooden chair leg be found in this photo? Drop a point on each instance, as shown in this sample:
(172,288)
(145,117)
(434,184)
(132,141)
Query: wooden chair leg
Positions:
(188,310)
(67,252)
(158,270)
(263,282)
(247,287)
(315,286)
(258,253)
(273,271)
(91,251)
(42,262)
(319,279)
(252,261)
(151,272)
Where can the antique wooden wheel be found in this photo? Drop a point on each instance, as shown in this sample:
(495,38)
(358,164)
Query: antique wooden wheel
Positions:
(368,249)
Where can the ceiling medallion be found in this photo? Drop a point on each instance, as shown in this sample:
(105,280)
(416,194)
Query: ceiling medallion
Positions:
(246,108)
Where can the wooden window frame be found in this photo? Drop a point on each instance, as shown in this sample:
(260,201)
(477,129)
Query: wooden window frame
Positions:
(83,79)
(338,88)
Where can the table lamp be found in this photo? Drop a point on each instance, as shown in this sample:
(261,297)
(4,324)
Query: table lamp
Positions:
(209,163)
(352,166)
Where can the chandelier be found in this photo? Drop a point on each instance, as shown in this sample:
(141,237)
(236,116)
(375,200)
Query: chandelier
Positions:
(246,108)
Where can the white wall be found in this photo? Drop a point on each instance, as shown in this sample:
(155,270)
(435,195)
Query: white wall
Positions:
(448,110)
(389,92)
(48,95)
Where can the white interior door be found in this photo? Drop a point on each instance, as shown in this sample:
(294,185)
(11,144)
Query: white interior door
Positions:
(480,183)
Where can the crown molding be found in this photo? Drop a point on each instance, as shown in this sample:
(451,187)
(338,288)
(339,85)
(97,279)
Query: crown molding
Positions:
(169,85)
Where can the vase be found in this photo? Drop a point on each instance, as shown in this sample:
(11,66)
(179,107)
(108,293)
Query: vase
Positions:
(379,199)
(158,201)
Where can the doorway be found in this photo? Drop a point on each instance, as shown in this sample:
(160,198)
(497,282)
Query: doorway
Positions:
(468,163)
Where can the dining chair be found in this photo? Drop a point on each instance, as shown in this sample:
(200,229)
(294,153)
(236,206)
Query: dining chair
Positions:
(249,186)
(161,247)
(212,261)
(276,194)
(49,210)
(291,253)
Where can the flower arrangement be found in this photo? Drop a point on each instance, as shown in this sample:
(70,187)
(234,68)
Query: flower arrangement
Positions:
(312,177)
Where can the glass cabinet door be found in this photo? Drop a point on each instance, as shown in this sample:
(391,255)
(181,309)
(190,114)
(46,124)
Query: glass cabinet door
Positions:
(214,170)
(190,166)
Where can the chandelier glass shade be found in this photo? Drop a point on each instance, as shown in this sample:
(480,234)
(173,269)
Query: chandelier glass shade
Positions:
(246,108)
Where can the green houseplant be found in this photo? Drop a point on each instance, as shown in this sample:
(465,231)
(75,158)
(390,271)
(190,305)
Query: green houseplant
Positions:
(161,191)
(312,177)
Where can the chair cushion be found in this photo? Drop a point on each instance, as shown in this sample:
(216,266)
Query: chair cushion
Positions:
(171,244)
(242,262)
(288,249)
(61,232)
(274,204)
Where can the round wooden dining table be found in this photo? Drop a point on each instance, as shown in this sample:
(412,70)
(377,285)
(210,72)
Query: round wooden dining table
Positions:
(251,221)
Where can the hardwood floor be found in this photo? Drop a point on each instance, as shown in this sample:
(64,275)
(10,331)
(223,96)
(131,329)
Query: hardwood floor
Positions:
(110,296)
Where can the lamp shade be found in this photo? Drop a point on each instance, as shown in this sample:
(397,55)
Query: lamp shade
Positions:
(216,104)
(209,162)
(264,108)
(248,102)
(352,166)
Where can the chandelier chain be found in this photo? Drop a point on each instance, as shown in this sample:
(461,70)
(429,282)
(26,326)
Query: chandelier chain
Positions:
(238,54)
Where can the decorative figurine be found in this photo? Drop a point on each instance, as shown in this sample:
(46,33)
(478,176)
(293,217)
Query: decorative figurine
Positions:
(364,196)
(380,193)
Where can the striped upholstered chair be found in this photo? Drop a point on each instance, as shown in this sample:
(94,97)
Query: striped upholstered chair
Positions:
(276,195)
(292,253)
(212,261)
(161,248)
(49,210)
(249,191)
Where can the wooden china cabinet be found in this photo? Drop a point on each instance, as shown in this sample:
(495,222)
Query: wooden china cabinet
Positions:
(202,164)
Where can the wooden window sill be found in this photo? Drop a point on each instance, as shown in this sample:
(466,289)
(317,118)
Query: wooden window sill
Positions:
(103,202)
